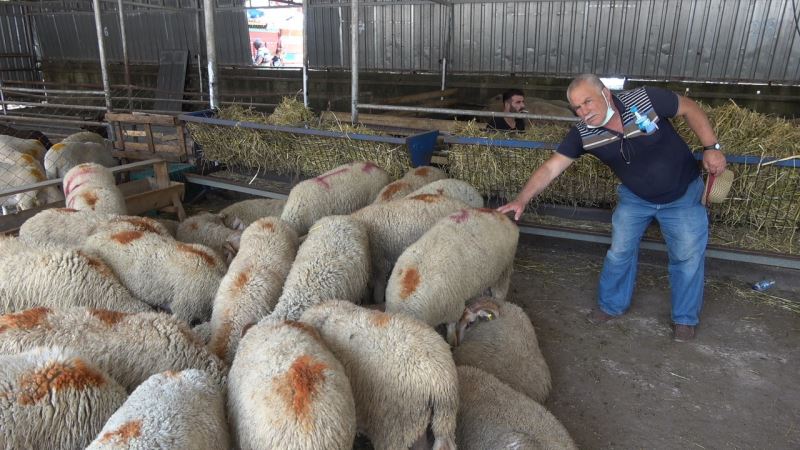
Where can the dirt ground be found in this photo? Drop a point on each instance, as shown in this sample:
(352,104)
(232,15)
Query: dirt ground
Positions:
(626,384)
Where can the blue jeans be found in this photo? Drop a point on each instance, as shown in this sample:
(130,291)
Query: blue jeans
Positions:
(684,225)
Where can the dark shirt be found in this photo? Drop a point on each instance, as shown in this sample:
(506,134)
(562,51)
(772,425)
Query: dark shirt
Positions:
(656,167)
(500,124)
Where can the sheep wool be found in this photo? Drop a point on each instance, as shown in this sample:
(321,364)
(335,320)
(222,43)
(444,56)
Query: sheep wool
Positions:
(207,229)
(507,348)
(287,390)
(457,259)
(62,157)
(248,211)
(400,370)
(411,181)
(493,415)
(169,410)
(253,283)
(452,188)
(90,186)
(333,262)
(128,347)
(393,226)
(31,147)
(84,136)
(26,171)
(52,398)
(339,191)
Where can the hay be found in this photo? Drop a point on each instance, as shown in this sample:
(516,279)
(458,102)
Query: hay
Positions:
(292,112)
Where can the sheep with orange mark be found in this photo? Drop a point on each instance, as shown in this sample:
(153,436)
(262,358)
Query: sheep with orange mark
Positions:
(284,376)
(65,155)
(169,410)
(401,372)
(450,187)
(84,136)
(181,278)
(457,259)
(69,228)
(210,230)
(25,171)
(248,211)
(31,277)
(53,398)
(90,186)
(14,144)
(253,283)
(339,191)
(128,347)
(333,262)
(411,181)
(393,226)
(504,346)
(493,415)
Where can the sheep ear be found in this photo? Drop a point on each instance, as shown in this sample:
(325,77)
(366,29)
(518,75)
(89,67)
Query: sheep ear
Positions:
(247,328)
(237,224)
(483,308)
(231,247)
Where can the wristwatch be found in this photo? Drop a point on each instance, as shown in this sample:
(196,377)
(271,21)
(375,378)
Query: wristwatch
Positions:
(714,146)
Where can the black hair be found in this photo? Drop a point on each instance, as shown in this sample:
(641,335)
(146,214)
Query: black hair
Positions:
(512,92)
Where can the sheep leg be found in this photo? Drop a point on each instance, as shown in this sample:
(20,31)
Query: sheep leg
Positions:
(380,277)
(499,289)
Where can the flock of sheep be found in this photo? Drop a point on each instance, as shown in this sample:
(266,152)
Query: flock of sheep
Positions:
(358,305)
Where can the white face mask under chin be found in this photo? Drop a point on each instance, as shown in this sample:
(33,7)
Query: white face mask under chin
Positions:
(609,115)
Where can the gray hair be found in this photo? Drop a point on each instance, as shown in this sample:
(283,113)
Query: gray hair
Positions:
(590,78)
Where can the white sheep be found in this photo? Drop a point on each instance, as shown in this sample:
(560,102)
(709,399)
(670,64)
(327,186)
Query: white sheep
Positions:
(401,372)
(128,347)
(210,230)
(452,188)
(253,283)
(493,415)
(85,136)
(30,147)
(182,278)
(504,346)
(248,211)
(90,186)
(333,262)
(393,226)
(169,410)
(21,173)
(287,390)
(456,260)
(339,191)
(411,181)
(52,398)
(62,157)
(32,277)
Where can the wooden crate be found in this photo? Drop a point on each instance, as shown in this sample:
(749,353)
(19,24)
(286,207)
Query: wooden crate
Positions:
(142,136)
(158,192)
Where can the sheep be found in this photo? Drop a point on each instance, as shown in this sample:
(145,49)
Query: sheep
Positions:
(31,147)
(6,132)
(287,390)
(24,172)
(457,259)
(505,346)
(253,283)
(58,278)
(182,278)
(170,225)
(53,398)
(128,347)
(67,154)
(339,191)
(452,188)
(400,370)
(493,415)
(393,226)
(69,228)
(169,410)
(333,262)
(248,211)
(412,180)
(84,136)
(210,230)
(90,186)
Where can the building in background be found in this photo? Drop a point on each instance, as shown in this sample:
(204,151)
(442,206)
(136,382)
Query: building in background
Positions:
(280,28)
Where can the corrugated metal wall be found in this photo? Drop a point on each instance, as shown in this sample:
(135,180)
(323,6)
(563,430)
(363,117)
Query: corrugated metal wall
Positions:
(713,40)
(16,53)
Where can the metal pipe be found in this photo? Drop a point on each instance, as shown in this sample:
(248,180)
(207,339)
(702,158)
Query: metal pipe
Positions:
(444,73)
(49,120)
(211,53)
(305,53)
(124,49)
(3,99)
(53,91)
(353,61)
(200,74)
(58,105)
(101,46)
(465,112)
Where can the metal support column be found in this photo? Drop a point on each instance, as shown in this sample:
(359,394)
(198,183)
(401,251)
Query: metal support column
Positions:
(125,52)
(305,53)
(101,46)
(211,52)
(353,61)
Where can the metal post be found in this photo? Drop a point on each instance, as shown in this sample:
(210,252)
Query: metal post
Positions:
(125,52)
(353,61)
(3,99)
(305,53)
(101,46)
(211,52)
(447,44)
(198,25)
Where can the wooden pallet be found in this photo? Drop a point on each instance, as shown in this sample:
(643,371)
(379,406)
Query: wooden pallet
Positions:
(158,192)
(142,136)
